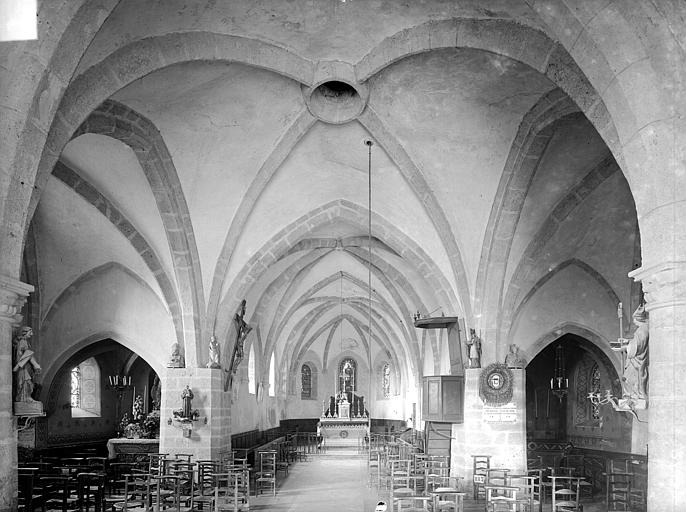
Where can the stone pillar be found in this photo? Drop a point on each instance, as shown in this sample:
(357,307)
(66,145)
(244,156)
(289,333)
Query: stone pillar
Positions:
(210,435)
(13,296)
(665,288)
(496,431)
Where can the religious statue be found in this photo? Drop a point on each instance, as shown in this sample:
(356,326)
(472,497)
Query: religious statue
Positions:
(242,331)
(348,375)
(213,361)
(635,377)
(474,345)
(156,394)
(514,358)
(187,397)
(25,366)
(176,359)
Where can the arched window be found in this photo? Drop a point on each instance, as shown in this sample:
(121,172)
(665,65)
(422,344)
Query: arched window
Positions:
(85,389)
(251,369)
(75,387)
(347,375)
(306,382)
(272,376)
(386,380)
(595,388)
(587,381)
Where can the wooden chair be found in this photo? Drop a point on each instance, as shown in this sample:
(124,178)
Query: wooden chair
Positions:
(204,489)
(618,490)
(166,493)
(437,474)
(137,493)
(283,451)
(447,498)
(529,494)
(399,479)
(228,495)
(411,503)
(373,468)
(480,463)
(97,464)
(501,498)
(266,476)
(28,497)
(59,493)
(115,479)
(565,495)
(90,490)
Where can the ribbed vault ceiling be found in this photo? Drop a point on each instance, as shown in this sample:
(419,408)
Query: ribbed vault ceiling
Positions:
(231,189)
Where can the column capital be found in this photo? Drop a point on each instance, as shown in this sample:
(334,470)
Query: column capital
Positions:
(13,295)
(663,283)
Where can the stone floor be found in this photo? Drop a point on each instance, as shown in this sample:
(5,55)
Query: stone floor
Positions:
(339,482)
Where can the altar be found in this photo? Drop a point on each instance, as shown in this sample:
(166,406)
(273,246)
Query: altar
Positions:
(340,432)
(342,429)
(131,448)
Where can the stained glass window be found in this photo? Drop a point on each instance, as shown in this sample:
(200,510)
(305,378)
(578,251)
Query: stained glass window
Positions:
(347,375)
(306,381)
(85,389)
(595,388)
(76,387)
(386,380)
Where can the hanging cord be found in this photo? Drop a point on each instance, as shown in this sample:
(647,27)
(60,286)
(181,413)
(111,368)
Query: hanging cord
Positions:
(369,144)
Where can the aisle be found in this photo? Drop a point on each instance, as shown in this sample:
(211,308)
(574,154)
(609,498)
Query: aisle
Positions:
(323,483)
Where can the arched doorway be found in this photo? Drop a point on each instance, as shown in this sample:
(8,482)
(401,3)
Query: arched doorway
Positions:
(82,407)
(552,423)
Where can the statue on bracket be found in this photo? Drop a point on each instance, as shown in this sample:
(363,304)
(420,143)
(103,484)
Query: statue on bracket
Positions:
(474,349)
(635,377)
(25,370)
(213,361)
(514,358)
(176,359)
(25,366)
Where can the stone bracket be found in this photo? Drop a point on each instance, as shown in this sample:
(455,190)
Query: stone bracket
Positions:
(13,295)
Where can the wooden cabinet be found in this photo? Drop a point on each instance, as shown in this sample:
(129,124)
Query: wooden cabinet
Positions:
(443,398)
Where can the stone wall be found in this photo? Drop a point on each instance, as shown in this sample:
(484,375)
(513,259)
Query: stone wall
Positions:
(210,434)
(504,441)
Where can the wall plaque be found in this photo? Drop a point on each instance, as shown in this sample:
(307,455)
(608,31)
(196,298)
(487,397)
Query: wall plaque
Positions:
(505,414)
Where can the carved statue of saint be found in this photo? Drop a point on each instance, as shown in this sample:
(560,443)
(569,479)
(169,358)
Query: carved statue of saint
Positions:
(213,361)
(156,394)
(474,345)
(25,366)
(514,358)
(635,378)
(187,397)
(176,359)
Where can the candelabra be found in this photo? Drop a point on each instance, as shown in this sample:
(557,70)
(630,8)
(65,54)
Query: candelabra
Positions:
(559,384)
(598,399)
(624,404)
(119,384)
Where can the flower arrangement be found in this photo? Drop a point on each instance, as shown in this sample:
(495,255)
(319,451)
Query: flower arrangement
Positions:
(137,410)
(133,431)
(151,424)
(139,424)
